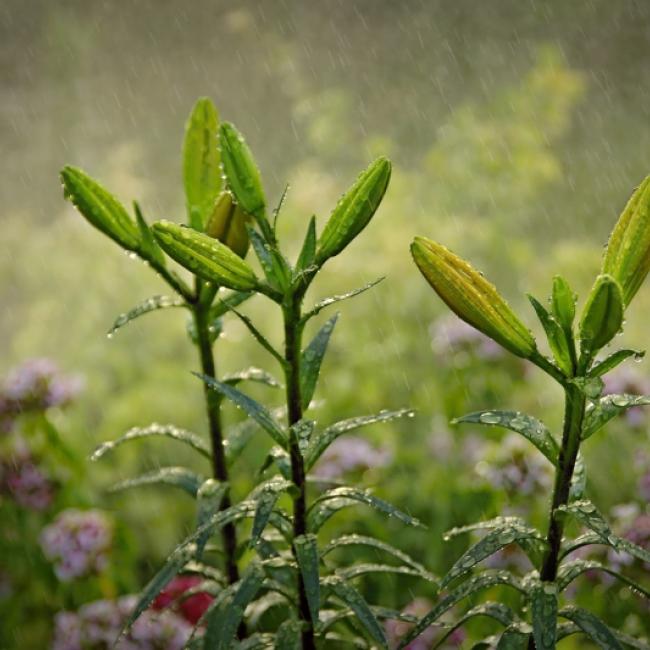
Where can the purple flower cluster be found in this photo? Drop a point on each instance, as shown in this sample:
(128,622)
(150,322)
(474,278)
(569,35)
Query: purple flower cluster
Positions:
(395,630)
(350,453)
(451,332)
(36,385)
(26,482)
(515,468)
(97,625)
(77,542)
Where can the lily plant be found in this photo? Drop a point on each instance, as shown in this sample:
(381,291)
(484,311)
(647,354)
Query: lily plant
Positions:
(546,617)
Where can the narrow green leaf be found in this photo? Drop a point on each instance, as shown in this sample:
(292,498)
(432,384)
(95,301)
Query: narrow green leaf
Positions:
(288,636)
(238,436)
(355,209)
(307,255)
(252,374)
(602,316)
(266,496)
(148,249)
(593,627)
(172,566)
(222,624)
(526,425)
(563,304)
(162,430)
(322,440)
(225,304)
(326,302)
(603,410)
(201,162)
(556,336)
(513,639)
(252,408)
(362,540)
(306,550)
(327,502)
(311,359)
(358,570)
(145,307)
(209,498)
(494,541)
(543,606)
(355,601)
(259,337)
(613,360)
(275,267)
(569,571)
(257,641)
(578,480)
(206,257)
(567,629)
(100,208)
(498,523)
(179,477)
(472,585)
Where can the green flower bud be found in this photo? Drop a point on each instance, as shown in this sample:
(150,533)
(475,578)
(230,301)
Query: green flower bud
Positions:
(602,316)
(563,303)
(100,208)
(627,256)
(201,162)
(354,210)
(241,171)
(471,297)
(206,257)
(228,224)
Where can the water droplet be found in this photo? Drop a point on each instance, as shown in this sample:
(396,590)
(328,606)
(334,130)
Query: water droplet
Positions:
(490,418)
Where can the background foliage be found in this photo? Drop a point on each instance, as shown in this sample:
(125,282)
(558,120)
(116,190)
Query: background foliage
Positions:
(517,132)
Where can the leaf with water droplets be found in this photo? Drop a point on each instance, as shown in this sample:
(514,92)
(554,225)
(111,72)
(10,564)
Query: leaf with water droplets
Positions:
(602,315)
(593,627)
(494,541)
(100,208)
(288,636)
(209,498)
(266,496)
(172,566)
(467,588)
(569,571)
(308,251)
(252,408)
(225,304)
(326,302)
(556,335)
(358,570)
(201,162)
(311,359)
(512,638)
(613,360)
(327,502)
(578,480)
(257,641)
(322,440)
(179,477)
(252,374)
(275,266)
(145,307)
(149,248)
(526,425)
(306,550)
(163,430)
(563,304)
(603,410)
(362,540)
(222,623)
(543,605)
(492,524)
(355,601)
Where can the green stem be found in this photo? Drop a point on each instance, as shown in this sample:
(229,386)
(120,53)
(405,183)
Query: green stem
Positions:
(574,409)
(213,409)
(292,343)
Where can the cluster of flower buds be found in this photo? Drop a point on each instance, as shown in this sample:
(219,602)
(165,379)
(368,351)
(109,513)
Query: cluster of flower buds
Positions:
(36,385)
(98,625)
(77,543)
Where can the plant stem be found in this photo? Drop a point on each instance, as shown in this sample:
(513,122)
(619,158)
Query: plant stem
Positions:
(292,349)
(213,409)
(574,409)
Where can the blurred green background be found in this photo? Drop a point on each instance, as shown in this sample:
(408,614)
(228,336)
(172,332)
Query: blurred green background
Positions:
(517,130)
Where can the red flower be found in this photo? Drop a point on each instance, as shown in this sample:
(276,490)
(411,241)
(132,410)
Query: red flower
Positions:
(192,608)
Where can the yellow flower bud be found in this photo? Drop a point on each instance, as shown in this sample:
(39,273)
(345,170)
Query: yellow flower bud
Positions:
(227,223)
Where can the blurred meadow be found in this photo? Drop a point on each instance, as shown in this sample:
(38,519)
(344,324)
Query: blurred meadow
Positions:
(517,131)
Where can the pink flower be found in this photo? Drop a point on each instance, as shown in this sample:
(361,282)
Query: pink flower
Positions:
(191,608)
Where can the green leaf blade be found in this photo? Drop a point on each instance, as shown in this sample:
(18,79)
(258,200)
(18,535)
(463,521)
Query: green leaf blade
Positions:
(311,360)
